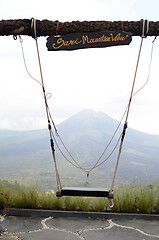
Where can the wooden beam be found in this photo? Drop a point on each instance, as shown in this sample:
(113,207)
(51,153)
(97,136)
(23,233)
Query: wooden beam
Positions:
(52,28)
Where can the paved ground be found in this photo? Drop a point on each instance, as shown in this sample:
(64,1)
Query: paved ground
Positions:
(76,227)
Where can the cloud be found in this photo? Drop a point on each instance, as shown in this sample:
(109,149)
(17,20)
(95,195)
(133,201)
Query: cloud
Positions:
(99,79)
(55,10)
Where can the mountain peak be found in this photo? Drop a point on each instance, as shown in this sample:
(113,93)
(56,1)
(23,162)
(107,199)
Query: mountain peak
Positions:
(89,119)
(86,134)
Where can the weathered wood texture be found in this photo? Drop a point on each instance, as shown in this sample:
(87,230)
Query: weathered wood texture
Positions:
(52,28)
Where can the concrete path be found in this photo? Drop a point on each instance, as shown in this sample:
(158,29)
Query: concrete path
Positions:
(79,226)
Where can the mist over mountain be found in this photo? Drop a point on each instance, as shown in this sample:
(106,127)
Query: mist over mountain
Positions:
(26,155)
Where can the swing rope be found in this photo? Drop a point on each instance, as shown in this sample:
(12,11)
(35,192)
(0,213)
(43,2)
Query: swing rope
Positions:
(144,30)
(33,26)
(97,164)
(49,117)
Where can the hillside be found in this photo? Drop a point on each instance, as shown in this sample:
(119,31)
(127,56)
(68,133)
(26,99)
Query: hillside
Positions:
(26,156)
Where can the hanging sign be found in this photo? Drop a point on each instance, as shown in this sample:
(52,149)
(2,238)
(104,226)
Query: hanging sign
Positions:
(88,40)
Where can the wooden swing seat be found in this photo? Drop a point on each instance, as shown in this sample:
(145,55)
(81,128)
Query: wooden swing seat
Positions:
(84,192)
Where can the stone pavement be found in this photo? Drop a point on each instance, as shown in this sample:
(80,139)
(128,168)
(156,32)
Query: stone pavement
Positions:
(91,226)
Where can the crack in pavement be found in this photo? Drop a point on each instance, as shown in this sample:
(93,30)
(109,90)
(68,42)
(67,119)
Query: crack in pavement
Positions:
(44,226)
(78,233)
(135,229)
(60,229)
(112,224)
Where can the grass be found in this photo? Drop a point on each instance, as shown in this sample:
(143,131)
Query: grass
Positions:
(128,199)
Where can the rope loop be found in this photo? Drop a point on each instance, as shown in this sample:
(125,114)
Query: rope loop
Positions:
(35,28)
(15,37)
(48,95)
(144,28)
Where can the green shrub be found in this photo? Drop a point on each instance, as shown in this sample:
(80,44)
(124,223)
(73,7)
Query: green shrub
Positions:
(70,204)
(127,199)
(5,202)
(124,200)
(83,203)
(99,204)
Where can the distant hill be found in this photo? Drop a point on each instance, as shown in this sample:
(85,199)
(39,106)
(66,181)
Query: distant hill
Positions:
(26,156)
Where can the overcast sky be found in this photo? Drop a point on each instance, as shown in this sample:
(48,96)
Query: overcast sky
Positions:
(98,79)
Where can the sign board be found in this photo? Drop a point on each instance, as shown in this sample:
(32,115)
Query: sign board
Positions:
(88,40)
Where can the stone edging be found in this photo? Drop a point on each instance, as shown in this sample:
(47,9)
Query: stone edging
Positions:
(65,214)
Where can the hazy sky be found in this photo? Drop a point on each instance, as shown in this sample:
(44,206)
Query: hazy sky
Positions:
(98,79)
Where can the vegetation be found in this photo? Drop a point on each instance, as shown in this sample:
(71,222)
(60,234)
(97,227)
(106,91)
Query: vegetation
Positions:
(26,156)
(128,199)
(4,202)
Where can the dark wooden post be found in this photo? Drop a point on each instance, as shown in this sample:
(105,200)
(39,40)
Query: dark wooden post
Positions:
(52,28)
